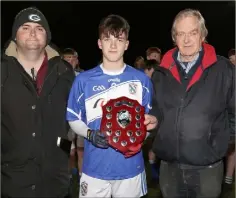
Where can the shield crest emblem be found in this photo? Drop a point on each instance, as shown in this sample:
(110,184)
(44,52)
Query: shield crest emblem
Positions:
(132,88)
(123,118)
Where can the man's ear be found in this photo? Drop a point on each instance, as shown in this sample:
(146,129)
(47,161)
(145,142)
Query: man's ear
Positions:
(99,44)
(127,45)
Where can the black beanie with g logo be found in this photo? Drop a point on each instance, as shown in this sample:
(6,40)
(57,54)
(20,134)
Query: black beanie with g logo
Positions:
(31,14)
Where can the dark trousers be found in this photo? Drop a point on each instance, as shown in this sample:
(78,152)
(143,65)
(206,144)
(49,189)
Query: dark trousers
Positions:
(183,181)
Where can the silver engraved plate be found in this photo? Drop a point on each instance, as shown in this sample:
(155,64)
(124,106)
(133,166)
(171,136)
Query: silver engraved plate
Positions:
(109,132)
(137,125)
(138,133)
(109,108)
(137,109)
(132,139)
(123,118)
(131,104)
(115,139)
(123,143)
(137,117)
(109,116)
(118,133)
(118,103)
(129,133)
(109,125)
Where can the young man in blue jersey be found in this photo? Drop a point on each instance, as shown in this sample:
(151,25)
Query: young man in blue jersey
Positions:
(107,172)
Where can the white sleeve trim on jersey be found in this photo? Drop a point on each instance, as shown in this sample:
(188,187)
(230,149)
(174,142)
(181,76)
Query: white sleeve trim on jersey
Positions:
(149,106)
(146,88)
(80,97)
(79,127)
(77,115)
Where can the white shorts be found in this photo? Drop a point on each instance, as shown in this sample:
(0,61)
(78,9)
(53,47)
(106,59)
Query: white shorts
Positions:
(132,187)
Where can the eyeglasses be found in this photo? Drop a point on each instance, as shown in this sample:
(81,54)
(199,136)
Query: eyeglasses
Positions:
(190,34)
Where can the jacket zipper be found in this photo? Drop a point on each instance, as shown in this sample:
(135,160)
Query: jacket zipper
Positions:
(31,84)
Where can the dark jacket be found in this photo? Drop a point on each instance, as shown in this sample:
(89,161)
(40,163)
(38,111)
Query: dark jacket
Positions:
(196,118)
(32,163)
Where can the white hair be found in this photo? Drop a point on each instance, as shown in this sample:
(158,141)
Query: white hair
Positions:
(186,13)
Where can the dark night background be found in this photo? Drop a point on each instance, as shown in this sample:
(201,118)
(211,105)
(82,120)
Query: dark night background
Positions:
(75,24)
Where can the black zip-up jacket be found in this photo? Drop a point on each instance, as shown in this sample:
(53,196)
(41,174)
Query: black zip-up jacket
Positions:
(195,118)
(32,163)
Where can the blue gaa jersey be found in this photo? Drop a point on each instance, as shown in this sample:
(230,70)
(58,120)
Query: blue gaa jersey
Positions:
(90,91)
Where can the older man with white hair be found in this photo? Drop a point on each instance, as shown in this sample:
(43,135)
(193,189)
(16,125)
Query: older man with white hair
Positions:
(195,93)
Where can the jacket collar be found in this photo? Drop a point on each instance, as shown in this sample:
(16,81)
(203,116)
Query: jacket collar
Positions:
(209,57)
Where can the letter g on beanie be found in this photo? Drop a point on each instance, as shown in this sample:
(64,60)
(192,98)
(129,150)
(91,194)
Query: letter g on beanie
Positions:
(33,15)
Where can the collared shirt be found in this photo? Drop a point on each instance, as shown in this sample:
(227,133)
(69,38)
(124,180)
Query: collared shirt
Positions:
(187,66)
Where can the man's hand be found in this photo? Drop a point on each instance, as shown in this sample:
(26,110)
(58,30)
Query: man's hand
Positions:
(97,138)
(150,122)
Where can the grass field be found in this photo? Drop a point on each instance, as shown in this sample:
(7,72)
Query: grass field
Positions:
(153,192)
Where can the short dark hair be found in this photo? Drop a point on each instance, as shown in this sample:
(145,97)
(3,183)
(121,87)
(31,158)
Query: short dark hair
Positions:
(231,52)
(114,25)
(153,50)
(149,64)
(139,58)
(69,51)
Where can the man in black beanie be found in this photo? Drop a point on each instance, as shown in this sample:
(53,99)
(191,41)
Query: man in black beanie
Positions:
(35,84)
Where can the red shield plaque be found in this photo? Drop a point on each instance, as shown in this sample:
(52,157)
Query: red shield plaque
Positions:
(123,123)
